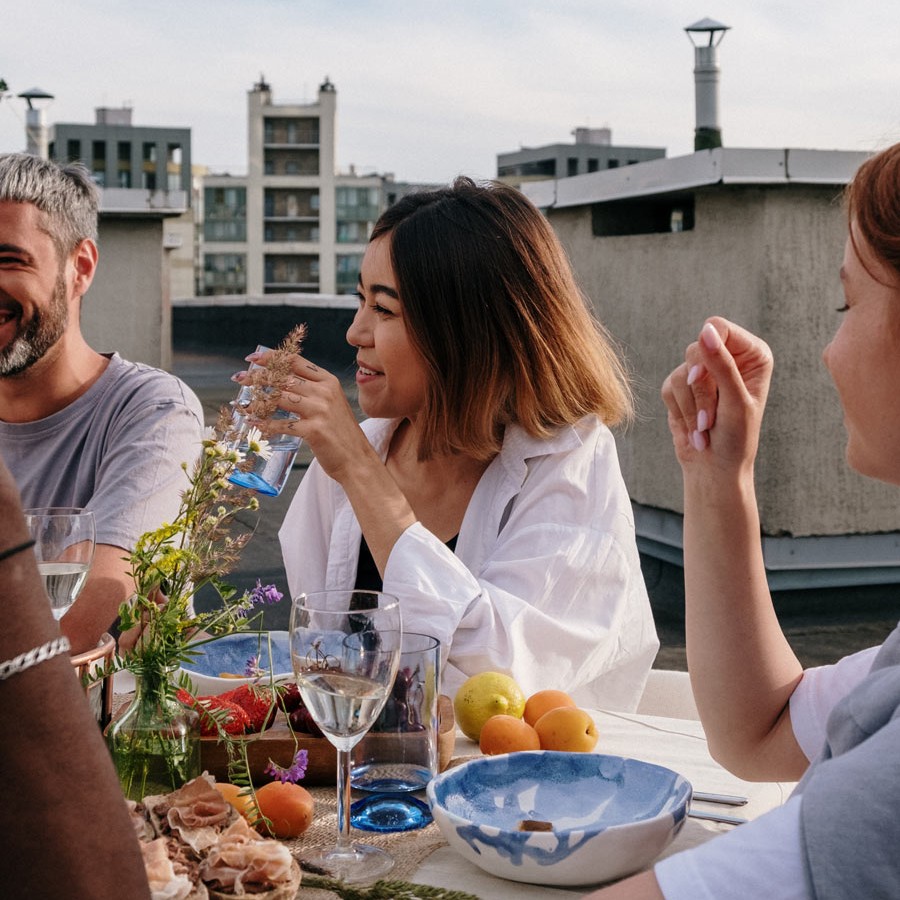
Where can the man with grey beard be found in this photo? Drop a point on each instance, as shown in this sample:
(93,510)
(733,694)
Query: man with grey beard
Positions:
(78,427)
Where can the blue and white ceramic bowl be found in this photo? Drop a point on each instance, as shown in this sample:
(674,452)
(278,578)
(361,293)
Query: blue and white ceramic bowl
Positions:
(608,816)
(221,665)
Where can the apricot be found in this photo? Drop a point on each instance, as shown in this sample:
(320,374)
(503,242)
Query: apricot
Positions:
(543,701)
(567,728)
(506,734)
(242,802)
(288,807)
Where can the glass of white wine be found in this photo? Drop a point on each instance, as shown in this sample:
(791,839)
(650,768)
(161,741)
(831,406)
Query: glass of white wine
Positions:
(64,539)
(345,650)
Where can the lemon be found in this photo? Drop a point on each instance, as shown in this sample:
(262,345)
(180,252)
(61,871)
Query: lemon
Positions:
(484,695)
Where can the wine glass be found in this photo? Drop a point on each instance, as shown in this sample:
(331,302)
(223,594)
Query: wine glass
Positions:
(64,538)
(345,650)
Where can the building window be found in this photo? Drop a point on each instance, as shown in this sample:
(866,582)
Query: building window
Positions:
(593,165)
(612,164)
(224,273)
(173,168)
(73,150)
(657,215)
(348,266)
(98,162)
(124,177)
(225,214)
(572,166)
(149,152)
(291,272)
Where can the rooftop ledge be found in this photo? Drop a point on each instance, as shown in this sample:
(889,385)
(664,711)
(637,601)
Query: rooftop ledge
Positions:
(723,165)
(141,202)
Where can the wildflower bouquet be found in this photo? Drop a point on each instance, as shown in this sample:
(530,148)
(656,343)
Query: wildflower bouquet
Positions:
(154,743)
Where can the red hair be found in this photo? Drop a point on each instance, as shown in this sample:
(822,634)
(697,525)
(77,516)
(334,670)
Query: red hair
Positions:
(873,205)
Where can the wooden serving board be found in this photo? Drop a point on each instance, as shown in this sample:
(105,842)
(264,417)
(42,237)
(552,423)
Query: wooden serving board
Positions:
(278,744)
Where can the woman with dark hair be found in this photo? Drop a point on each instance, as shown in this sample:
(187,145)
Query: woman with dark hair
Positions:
(484,488)
(835,727)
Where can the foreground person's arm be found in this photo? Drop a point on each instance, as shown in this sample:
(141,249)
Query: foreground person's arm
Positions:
(67,832)
(742,668)
(643,886)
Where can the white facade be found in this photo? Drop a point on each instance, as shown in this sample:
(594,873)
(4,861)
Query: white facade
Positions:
(292,224)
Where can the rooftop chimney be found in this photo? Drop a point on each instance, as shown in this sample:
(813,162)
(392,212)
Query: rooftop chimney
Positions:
(706,35)
(602,136)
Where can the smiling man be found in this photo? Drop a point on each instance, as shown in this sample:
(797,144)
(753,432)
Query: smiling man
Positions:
(79,427)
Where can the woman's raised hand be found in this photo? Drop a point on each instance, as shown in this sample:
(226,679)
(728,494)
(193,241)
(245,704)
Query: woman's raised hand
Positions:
(716,398)
(325,419)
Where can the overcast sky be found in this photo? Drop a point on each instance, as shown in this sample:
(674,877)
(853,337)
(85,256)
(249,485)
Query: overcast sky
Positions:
(434,88)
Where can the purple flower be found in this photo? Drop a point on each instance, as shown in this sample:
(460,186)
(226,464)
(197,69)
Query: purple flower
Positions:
(294,772)
(265,593)
(253,668)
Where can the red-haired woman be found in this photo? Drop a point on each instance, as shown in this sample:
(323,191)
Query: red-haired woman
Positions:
(835,727)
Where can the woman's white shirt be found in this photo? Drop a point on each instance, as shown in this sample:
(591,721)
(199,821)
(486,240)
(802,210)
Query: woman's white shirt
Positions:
(545,581)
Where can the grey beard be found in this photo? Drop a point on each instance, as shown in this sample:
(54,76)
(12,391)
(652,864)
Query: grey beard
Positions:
(39,336)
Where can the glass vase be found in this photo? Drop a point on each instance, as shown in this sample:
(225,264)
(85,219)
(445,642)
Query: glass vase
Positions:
(155,742)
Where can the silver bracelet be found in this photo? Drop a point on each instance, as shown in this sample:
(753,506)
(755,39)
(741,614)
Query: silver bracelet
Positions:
(32,657)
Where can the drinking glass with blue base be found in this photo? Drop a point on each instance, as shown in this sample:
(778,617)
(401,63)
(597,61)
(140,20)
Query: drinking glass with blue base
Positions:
(399,754)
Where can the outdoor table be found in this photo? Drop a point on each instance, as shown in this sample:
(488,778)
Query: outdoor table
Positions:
(679,744)
(424,857)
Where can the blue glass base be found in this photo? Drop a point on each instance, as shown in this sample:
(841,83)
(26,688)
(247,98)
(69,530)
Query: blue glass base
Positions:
(249,480)
(389,812)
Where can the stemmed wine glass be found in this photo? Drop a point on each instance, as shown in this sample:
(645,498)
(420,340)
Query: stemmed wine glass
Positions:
(345,650)
(64,539)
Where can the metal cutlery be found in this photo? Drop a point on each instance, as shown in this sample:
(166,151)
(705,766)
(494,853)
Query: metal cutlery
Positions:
(716,817)
(725,800)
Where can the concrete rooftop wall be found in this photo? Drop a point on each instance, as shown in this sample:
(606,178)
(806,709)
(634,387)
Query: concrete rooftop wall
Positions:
(768,258)
(128,307)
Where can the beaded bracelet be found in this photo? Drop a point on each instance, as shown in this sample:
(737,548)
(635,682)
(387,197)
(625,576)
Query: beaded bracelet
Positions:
(12,551)
(32,657)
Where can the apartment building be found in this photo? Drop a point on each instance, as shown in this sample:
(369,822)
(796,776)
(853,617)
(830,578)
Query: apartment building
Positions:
(592,151)
(153,162)
(292,224)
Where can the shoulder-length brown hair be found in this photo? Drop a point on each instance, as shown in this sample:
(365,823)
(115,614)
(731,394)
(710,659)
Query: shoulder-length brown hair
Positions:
(873,204)
(492,306)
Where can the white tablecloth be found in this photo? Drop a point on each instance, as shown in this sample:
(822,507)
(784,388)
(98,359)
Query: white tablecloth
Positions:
(678,744)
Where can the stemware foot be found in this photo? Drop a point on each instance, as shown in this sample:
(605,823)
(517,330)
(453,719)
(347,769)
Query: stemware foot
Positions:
(357,864)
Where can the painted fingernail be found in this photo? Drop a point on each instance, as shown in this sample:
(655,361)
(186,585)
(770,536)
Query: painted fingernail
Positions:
(238,375)
(695,372)
(702,420)
(698,440)
(253,357)
(710,337)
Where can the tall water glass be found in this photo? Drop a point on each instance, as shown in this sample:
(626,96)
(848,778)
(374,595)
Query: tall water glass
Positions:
(64,539)
(399,754)
(345,650)
(267,475)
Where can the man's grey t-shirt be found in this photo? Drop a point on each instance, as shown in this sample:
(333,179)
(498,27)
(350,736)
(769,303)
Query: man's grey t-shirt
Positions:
(117,449)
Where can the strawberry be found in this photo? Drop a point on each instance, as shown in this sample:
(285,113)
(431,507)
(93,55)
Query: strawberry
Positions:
(257,702)
(236,720)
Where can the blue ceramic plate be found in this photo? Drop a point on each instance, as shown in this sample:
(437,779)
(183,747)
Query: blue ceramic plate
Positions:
(546,817)
(230,654)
